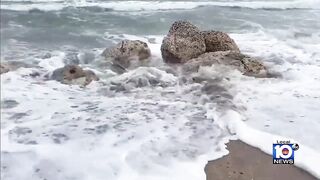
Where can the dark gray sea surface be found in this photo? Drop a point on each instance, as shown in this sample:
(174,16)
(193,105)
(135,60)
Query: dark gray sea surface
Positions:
(84,27)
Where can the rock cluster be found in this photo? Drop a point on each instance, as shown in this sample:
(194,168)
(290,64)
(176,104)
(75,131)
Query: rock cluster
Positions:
(74,74)
(186,44)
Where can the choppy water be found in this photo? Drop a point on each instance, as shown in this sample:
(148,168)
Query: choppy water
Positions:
(168,127)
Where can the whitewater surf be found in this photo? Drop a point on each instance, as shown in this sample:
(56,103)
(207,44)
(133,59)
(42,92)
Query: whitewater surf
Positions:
(166,131)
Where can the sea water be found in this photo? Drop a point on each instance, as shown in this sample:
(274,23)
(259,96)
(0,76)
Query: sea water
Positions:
(153,122)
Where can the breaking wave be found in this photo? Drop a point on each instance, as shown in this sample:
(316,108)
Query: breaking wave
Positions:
(52,5)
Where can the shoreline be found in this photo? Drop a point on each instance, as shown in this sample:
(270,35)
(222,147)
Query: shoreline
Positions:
(245,162)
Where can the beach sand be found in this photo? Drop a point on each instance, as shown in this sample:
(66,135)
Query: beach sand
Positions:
(245,162)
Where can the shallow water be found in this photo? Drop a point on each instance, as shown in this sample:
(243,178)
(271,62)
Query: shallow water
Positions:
(150,123)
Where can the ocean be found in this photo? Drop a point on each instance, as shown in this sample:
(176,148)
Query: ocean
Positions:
(169,131)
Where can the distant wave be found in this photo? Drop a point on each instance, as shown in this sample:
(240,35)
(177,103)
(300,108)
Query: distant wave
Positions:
(52,5)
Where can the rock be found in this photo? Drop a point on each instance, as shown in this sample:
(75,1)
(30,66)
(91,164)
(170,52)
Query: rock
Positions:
(13,65)
(219,41)
(4,68)
(90,75)
(126,51)
(253,67)
(74,74)
(247,65)
(183,42)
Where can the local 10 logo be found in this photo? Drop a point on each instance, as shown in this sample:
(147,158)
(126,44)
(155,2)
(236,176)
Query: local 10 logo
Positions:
(284,153)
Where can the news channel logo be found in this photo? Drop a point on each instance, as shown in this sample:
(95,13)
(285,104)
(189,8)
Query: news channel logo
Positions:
(283,152)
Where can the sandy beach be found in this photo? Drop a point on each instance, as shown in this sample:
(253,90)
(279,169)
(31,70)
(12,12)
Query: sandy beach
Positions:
(245,162)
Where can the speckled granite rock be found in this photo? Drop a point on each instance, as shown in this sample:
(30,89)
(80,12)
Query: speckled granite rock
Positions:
(247,65)
(183,42)
(126,51)
(219,41)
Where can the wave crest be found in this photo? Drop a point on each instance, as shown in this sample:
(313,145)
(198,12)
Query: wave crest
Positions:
(52,5)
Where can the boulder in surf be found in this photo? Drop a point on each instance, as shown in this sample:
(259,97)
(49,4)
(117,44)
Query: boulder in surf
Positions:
(74,74)
(183,42)
(247,65)
(127,51)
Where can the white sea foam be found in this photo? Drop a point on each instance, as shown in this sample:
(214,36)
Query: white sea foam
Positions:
(159,5)
(156,132)
(54,62)
(285,107)
(150,133)
(306,157)
(68,132)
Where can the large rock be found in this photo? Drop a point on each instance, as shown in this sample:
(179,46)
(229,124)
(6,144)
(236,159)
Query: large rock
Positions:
(247,65)
(183,42)
(74,74)
(219,41)
(126,51)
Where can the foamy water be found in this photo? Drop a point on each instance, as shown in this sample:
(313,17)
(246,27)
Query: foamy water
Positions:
(52,5)
(152,122)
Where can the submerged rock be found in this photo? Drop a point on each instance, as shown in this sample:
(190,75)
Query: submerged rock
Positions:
(126,51)
(12,65)
(254,67)
(8,104)
(183,42)
(4,68)
(142,77)
(247,65)
(74,74)
(219,41)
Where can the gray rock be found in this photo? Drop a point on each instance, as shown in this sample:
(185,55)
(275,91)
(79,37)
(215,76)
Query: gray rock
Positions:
(8,104)
(126,51)
(4,68)
(91,75)
(74,74)
(254,67)
(219,41)
(183,42)
(247,65)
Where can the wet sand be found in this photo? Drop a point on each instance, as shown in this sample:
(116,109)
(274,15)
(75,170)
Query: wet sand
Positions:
(245,162)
